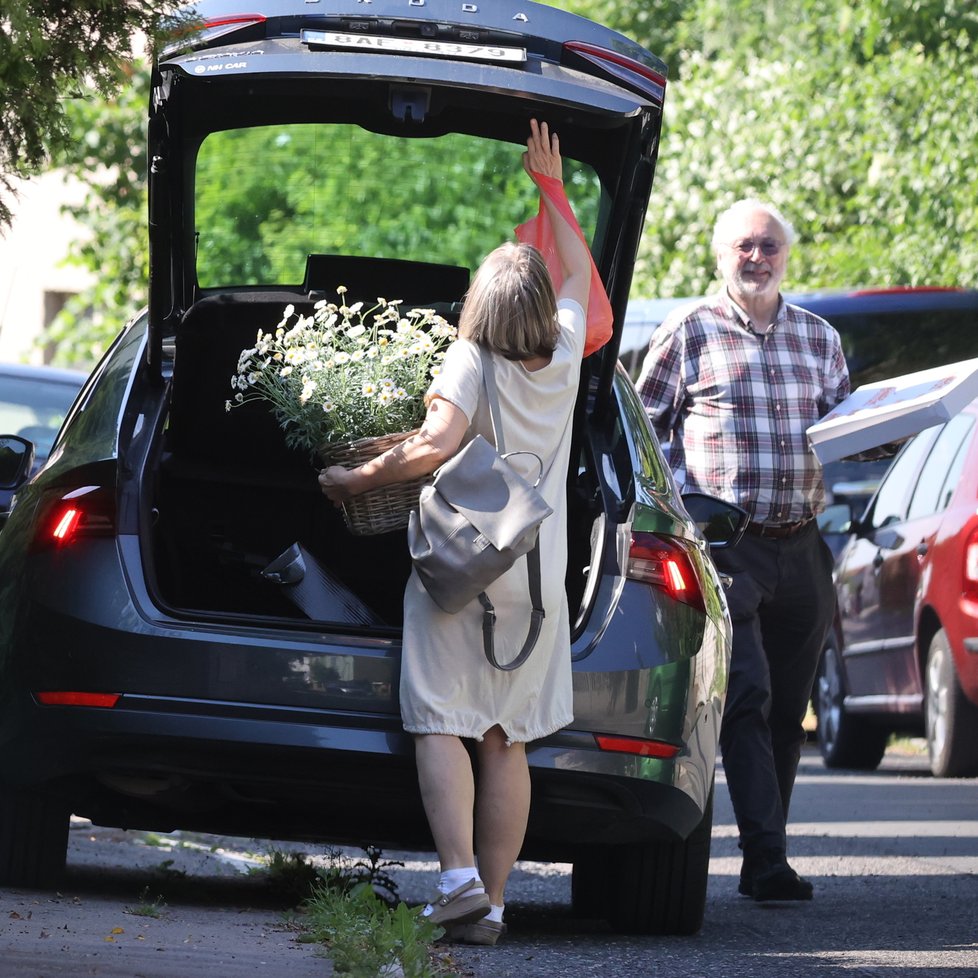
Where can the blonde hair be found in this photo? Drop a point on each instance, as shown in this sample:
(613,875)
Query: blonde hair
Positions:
(511,306)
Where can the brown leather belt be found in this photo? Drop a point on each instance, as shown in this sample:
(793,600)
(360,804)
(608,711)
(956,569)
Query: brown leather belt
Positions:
(777,531)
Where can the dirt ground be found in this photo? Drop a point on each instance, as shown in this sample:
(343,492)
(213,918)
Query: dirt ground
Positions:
(138,910)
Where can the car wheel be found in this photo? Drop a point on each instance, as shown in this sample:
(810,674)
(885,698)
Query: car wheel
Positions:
(656,888)
(844,739)
(589,886)
(33,839)
(951,718)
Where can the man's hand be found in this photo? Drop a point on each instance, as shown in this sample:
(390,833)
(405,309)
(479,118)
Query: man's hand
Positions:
(543,152)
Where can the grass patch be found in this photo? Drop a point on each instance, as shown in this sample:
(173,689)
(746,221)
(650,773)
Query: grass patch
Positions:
(351,906)
(368,938)
(148,906)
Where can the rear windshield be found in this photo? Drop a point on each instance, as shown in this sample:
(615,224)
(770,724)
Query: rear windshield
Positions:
(882,345)
(267,197)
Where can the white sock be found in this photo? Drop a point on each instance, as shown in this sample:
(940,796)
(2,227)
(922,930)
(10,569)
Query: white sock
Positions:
(495,913)
(452,879)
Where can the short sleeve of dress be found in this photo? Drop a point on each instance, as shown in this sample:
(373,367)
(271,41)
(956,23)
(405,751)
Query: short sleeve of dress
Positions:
(460,379)
(572,320)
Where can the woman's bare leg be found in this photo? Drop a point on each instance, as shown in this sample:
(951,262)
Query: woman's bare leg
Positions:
(502,809)
(448,792)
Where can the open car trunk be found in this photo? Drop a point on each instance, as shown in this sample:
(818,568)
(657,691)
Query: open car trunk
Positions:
(241,527)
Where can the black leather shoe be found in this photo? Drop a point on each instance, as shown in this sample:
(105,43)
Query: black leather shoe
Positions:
(780,882)
(766,876)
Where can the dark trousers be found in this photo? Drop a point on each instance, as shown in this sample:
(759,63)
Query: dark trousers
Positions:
(782,601)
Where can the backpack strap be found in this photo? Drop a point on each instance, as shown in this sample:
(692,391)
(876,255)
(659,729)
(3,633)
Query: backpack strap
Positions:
(536,616)
(537,613)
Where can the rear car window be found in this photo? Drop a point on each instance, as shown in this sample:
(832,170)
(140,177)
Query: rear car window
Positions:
(880,345)
(269,196)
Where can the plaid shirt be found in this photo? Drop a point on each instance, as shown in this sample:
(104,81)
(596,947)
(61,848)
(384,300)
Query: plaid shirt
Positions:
(731,405)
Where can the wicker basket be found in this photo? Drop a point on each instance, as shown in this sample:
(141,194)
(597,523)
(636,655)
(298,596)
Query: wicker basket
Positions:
(378,510)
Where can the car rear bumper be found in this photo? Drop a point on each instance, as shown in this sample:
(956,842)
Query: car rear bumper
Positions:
(160,764)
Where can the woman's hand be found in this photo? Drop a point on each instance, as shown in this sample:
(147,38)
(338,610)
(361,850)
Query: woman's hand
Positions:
(335,482)
(543,151)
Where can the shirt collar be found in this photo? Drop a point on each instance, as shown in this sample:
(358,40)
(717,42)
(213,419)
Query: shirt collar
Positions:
(741,317)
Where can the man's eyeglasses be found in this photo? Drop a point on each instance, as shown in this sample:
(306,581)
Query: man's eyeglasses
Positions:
(768,246)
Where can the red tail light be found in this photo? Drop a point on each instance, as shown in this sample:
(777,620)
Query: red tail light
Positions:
(203,32)
(636,745)
(627,69)
(63,698)
(85,512)
(665,563)
(235,20)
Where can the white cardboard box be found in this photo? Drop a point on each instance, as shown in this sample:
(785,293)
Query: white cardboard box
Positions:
(889,410)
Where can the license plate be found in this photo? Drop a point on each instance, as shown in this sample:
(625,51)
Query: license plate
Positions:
(410,45)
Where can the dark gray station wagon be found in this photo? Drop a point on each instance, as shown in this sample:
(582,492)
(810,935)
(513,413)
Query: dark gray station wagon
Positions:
(152,673)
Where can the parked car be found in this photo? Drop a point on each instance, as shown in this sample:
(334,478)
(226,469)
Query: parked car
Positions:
(904,653)
(151,675)
(885,332)
(34,400)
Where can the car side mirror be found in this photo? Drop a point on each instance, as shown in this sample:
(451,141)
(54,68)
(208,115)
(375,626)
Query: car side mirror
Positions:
(837,518)
(16,461)
(720,522)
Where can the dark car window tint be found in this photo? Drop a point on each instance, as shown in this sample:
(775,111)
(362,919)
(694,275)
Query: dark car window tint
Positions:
(929,497)
(894,494)
(881,345)
(267,197)
(94,420)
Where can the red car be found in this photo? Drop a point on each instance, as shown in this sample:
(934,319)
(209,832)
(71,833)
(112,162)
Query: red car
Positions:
(904,654)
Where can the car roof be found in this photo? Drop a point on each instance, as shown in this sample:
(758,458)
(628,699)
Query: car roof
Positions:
(893,299)
(58,375)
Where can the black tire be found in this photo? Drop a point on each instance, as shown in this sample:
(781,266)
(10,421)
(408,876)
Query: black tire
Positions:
(33,839)
(656,888)
(845,740)
(951,718)
(589,886)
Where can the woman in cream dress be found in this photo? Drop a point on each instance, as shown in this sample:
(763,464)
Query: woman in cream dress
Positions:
(449,692)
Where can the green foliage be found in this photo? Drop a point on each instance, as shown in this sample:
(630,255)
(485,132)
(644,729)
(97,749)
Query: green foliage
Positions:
(344,874)
(294,876)
(367,938)
(872,162)
(52,51)
(857,120)
(107,156)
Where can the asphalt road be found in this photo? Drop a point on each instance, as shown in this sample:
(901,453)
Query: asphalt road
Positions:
(893,855)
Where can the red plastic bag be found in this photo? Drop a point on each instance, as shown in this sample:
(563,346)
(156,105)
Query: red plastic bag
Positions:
(538,232)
